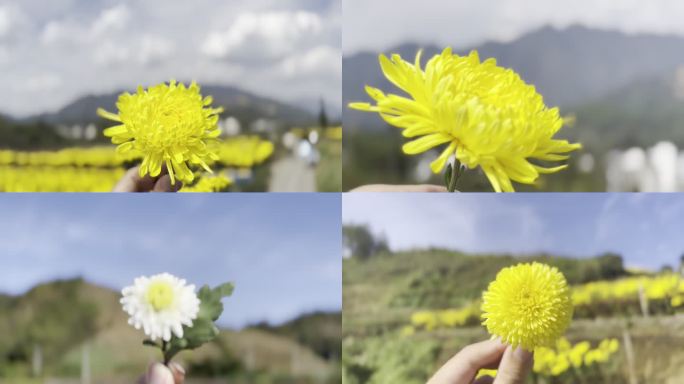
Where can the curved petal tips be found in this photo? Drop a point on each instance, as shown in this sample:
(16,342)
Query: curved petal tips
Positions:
(108,115)
(361,106)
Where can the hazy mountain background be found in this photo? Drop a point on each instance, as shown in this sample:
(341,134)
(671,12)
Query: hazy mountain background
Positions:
(624,90)
(570,67)
(66,318)
(245,106)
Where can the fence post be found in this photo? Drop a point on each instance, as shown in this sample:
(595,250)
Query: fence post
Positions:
(37,361)
(85,364)
(629,351)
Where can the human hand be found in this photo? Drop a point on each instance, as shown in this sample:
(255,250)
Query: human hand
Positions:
(399,188)
(159,373)
(132,182)
(513,365)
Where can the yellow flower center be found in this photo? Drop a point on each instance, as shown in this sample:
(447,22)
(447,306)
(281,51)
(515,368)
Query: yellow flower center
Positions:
(160,295)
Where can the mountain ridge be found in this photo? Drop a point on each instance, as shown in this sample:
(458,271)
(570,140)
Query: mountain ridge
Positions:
(568,66)
(245,106)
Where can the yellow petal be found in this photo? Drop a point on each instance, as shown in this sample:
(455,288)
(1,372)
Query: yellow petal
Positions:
(108,115)
(115,130)
(155,165)
(438,165)
(425,143)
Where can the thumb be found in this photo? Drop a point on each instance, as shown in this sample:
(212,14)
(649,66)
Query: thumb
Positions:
(515,365)
(158,373)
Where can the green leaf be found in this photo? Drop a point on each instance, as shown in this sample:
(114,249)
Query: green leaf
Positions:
(447,175)
(203,329)
(210,300)
(225,290)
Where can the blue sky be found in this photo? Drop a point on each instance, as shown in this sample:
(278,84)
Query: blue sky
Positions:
(646,229)
(463,23)
(281,250)
(52,52)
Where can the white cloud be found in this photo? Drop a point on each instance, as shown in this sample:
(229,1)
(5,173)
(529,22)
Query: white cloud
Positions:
(58,33)
(43,82)
(111,19)
(318,60)
(264,46)
(111,54)
(154,49)
(258,36)
(465,23)
(13,22)
(5,22)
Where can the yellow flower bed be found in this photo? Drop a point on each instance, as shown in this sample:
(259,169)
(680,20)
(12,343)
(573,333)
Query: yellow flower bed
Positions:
(564,357)
(661,287)
(666,288)
(97,169)
(61,179)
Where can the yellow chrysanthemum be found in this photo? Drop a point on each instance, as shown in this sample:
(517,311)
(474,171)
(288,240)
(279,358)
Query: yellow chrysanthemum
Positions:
(488,116)
(527,305)
(167,124)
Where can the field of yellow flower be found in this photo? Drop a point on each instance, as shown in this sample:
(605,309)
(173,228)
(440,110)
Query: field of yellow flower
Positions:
(406,313)
(97,169)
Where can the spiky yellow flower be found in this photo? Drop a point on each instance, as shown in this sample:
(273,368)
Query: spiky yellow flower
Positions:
(527,305)
(487,115)
(167,124)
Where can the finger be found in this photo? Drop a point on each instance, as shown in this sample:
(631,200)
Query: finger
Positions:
(132,182)
(178,373)
(399,188)
(484,380)
(164,185)
(128,182)
(463,367)
(515,365)
(158,373)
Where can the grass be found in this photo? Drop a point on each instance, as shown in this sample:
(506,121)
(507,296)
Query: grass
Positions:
(384,290)
(116,351)
(329,169)
(380,295)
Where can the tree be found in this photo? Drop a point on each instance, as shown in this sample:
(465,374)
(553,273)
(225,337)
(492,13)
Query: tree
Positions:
(361,242)
(323,116)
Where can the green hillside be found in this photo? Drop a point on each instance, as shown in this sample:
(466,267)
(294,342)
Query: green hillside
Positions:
(320,331)
(381,293)
(67,320)
(641,114)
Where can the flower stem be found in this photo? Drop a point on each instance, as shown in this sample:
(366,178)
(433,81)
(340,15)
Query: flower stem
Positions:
(164,350)
(455,173)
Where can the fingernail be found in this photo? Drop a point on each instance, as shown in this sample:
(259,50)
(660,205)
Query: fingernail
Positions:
(159,374)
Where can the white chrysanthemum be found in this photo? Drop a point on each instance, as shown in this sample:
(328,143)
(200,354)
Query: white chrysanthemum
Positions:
(160,304)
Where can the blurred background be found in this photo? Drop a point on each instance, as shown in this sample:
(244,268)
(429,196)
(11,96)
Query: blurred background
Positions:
(275,66)
(415,267)
(616,66)
(66,258)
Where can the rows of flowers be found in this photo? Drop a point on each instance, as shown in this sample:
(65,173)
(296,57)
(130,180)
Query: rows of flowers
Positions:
(58,179)
(97,169)
(661,293)
(240,151)
(565,358)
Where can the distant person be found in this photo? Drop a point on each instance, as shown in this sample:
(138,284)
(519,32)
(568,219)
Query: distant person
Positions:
(513,365)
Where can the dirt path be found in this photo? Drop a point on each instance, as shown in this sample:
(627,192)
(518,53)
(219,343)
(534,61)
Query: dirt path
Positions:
(292,174)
